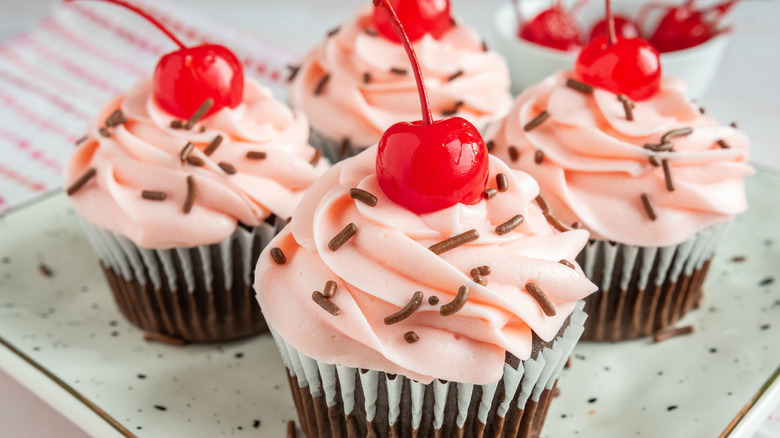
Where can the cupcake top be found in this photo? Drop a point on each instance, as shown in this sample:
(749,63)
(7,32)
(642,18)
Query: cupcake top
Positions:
(403,304)
(655,180)
(356,83)
(152,180)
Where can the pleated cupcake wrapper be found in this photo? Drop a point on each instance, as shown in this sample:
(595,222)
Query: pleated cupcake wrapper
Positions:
(168,290)
(643,289)
(376,398)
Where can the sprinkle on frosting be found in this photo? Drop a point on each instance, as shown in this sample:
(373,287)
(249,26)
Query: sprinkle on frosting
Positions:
(576,225)
(81,140)
(579,86)
(370,32)
(668,174)
(481,270)
(153,195)
(722,143)
(315,159)
(566,263)
(733,125)
(195,161)
(334,31)
(502,183)
(115,119)
(185,151)
(294,69)
(455,75)
(411,337)
(490,192)
(321,85)
(190,198)
(490,145)
(213,145)
(653,161)
(552,219)
(454,242)
(278,256)
(513,153)
(407,311)
(433,300)
(227,167)
(256,155)
(199,113)
(104,132)
(536,121)
(363,196)
(544,302)
(455,305)
(628,106)
(366,77)
(177,124)
(398,70)
(344,147)
(662,147)
(325,303)
(510,225)
(341,238)
(453,110)
(538,156)
(479,279)
(649,208)
(83,179)
(680,132)
(330,289)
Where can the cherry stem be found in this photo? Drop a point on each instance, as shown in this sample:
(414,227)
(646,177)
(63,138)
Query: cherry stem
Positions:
(611,37)
(148,17)
(427,117)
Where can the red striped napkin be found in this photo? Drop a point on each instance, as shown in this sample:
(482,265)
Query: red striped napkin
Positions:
(55,77)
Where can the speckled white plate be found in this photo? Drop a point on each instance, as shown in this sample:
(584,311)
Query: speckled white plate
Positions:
(62,336)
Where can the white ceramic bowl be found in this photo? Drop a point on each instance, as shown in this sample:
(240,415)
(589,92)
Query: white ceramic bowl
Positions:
(529,63)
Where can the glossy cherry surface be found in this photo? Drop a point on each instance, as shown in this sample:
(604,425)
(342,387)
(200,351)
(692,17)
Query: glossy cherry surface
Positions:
(624,27)
(185,78)
(685,26)
(555,28)
(419,17)
(426,166)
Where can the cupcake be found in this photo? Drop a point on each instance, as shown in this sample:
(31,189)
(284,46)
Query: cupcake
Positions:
(435,312)
(178,210)
(356,83)
(643,169)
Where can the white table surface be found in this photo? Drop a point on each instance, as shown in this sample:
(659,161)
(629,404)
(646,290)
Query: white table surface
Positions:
(745,90)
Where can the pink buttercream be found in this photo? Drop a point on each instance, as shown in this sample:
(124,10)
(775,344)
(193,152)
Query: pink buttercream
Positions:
(144,154)
(595,168)
(387,260)
(350,108)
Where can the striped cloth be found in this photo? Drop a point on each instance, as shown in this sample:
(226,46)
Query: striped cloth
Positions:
(55,78)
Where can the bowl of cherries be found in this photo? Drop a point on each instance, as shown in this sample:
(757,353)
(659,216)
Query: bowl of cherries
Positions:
(539,37)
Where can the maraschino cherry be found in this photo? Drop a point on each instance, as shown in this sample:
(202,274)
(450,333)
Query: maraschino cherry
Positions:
(427,166)
(628,66)
(419,17)
(184,79)
(685,26)
(554,27)
(624,27)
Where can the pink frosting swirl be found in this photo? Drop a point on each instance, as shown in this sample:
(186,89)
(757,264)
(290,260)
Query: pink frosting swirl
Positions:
(351,107)
(387,260)
(595,169)
(144,154)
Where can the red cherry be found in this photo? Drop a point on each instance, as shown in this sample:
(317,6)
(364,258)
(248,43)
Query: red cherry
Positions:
(427,166)
(627,66)
(419,17)
(184,79)
(624,27)
(554,27)
(684,26)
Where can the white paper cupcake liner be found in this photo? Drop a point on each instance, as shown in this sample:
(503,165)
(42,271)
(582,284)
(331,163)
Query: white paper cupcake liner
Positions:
(643,289)
(335,400)
(196,294)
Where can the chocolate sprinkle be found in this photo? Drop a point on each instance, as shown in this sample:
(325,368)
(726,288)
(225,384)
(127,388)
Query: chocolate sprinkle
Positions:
(502,184)
(370,32)
(490,145)
(484,46)
(510,225)
(649,208)
(662,147)
(489,193)
(321,85)
(628,106)
(342,237)
(363,196)
(153,195)
(104,132)
(733,125)
(566,263)
(455,305)
(722,143)
(315,159)
(82,140)
(115,119)
(79,183)
(454,242)
(398,70)
(455,75)
(668,174)
(411,337)
(213,145)
(579,86)
(668,333)
(177,124)
(334,31)
(325,303)
(576,225)
(539,156)
(454,110)
(538,120)
(366,77)
(185,151)
(195,161)
(44,270)
(199,113)
(294,69)
(479,279)
(165,339)
(256,155)
(552,219)
(278,256)
(330,289)
(202,129)
(190,199)
(653,161)
(433,300)
(290,429)
(513,153)
(541,298)
(680,132)
(227,167)
(481,270)
(158,407)
(344,147)
(407,310)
